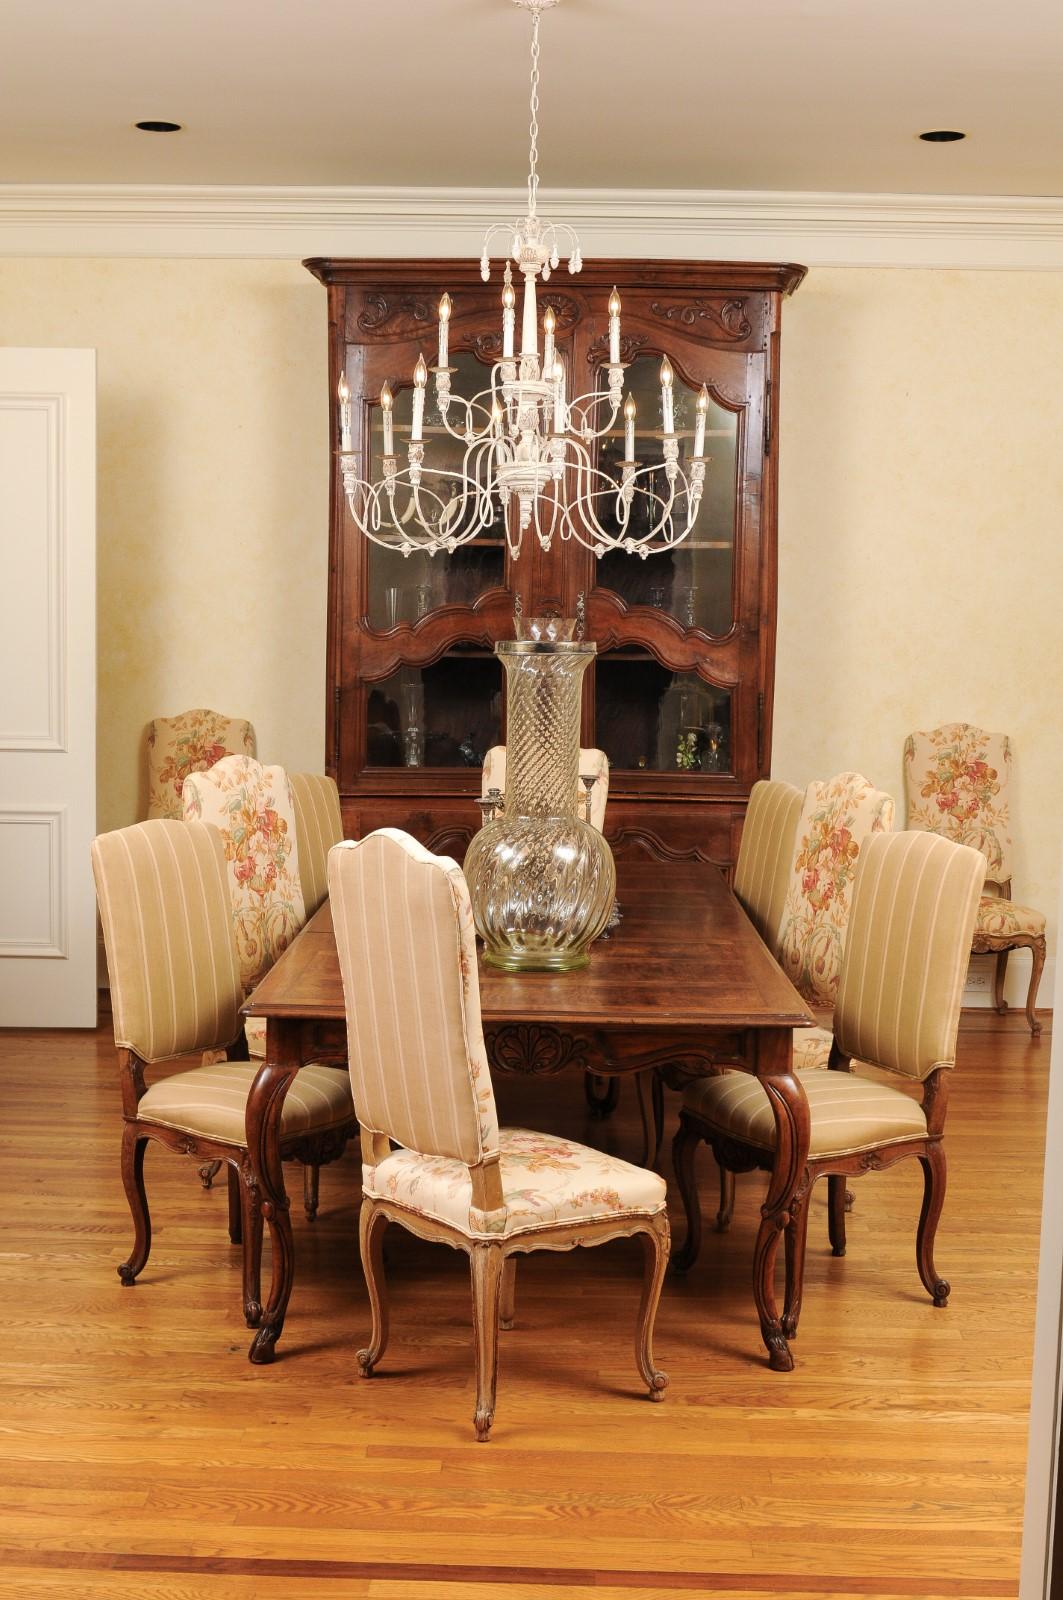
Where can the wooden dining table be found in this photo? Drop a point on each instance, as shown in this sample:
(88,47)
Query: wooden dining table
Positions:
(683,985)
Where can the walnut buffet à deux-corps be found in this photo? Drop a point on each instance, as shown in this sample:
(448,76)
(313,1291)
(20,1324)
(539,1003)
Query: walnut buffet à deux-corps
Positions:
(680,697)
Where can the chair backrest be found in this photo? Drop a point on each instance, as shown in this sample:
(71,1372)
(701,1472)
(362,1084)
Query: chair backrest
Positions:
(318,826)
(910,933)
(191,742)
(836,819)
(766,855)
(956,783)
(253,807)
(407,952)
(168,931)
(590,761)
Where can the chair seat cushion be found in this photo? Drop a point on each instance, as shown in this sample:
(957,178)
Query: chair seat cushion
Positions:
(545,1181)
(1004,919)
(849,1113)
(812,1047)
(211,1101)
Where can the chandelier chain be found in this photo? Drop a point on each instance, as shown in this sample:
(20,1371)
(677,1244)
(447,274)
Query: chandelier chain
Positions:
(533,129)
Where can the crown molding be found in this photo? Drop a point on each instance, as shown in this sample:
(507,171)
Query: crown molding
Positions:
(995,232)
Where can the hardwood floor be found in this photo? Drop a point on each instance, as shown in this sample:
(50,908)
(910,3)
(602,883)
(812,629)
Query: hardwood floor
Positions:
(142,1455)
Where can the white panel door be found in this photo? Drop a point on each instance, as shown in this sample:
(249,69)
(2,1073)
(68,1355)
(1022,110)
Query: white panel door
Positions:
(47,687)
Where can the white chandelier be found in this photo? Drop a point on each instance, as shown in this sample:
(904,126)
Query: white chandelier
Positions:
(523,438)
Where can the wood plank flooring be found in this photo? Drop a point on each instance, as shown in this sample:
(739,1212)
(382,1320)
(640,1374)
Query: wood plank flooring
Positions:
(141,1455)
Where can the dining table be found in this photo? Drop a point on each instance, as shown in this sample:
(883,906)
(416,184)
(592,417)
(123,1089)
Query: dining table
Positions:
(682,986)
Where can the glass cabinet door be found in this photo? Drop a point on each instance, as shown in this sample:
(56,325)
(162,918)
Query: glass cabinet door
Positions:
(693,582)
(405,588)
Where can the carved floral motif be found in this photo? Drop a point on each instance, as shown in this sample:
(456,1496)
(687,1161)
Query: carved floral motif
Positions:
(728,317)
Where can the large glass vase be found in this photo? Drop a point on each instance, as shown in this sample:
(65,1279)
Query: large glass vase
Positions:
(542,880)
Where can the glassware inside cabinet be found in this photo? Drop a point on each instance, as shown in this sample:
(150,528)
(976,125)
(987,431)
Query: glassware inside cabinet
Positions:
(405,588)
(694,581)
(649,718)
(447,714)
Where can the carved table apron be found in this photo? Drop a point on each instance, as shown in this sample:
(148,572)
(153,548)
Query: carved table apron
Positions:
(684,985)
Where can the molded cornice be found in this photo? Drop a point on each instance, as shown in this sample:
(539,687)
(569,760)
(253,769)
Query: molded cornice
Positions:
(964,231)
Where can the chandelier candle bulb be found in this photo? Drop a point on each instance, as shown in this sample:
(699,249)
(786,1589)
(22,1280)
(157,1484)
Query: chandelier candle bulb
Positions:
(667,406)
(444,329)
(344,394)
(509,300)
(420,378)
(386,405)
(699,425)
(629,428)
(614,329)
(549,325)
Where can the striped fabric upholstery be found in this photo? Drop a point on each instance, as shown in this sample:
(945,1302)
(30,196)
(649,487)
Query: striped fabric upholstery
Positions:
(909,936)
(407,952)
(318,826)
(590,761)
(212,1101)
(191,742)
(168,931)
(766,854)
(848,1113)
(253,807)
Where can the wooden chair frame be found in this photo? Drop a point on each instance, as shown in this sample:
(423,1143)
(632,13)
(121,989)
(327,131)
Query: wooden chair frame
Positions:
(493,1271)
(1001,945)
(734,1156)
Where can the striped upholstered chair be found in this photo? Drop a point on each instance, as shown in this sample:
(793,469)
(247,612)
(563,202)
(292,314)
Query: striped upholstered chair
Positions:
(175,988)
(318,826)
(897,1009)
(766,855)
(421,1081)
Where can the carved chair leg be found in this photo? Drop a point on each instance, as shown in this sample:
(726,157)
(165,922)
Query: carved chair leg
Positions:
(850,1200)
(311,1177)
(133,1147)
(651,1110)
(1000,972)
(655,1244)
(795,1238)
(251,1227)
(1037,950)
(601,1094)
(684,1151)
(507,1312)
(371,1225)
(933,1165)
(208,1172)
(236,1231)
(837,1206)
(727,1200)
(485,1262)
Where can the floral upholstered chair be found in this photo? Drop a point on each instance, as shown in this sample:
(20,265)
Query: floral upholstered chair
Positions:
(897,1009)
(419,1073)
(191,742)
(175,988)
(956,780)
(836,819)
(593,764)
(318,826)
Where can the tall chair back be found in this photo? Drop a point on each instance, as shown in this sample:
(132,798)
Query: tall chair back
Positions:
(190,742)
(168,932)
(956,784)
(766,854)
(318,826)
(407,952)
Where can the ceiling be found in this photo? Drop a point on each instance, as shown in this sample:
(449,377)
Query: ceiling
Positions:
(636,94)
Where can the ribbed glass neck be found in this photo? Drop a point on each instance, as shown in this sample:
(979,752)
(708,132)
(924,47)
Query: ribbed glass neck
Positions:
(543,692)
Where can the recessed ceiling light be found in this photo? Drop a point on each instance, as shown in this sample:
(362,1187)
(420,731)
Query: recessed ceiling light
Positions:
(942,136)
(162,127)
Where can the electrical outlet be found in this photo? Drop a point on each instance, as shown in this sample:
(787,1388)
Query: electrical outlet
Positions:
(977,981)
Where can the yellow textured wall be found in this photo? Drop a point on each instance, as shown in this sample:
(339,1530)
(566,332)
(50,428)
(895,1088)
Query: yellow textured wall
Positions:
(921,550)
(213,493)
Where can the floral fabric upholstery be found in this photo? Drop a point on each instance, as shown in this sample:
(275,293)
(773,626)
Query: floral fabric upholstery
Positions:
(956,780)
(211,1101)
(545,1181)
(1004,919)
(191,742)
(591,761)
(811,1048)
(252,806)
(836,818)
